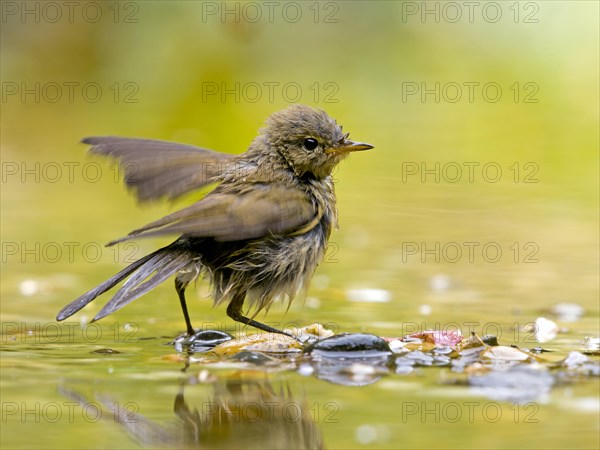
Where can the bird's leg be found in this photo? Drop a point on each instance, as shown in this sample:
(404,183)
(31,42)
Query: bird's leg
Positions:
(180,286)
(234,310)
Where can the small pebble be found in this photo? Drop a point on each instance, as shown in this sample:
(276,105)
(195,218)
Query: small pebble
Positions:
(544,329)
(442,350)
(441,361)
(592,345)
(420,358)
(574,360)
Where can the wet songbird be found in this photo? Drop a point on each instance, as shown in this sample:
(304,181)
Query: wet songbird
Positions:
(258,235)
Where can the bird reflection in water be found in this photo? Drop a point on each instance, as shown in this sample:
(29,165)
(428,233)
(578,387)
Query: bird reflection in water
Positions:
(242,412)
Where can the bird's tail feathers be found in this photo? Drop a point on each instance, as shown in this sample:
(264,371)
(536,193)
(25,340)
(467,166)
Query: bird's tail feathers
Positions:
(144,275)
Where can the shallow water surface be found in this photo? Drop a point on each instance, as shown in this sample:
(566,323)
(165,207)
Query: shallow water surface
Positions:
(479,216)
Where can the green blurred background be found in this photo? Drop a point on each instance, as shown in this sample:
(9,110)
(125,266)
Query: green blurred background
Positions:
(202,73)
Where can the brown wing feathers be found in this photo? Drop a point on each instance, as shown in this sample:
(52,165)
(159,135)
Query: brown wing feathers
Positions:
(229,217)
(156,169)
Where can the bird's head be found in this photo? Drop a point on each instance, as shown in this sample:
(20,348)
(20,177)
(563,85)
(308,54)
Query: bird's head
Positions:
(310,141)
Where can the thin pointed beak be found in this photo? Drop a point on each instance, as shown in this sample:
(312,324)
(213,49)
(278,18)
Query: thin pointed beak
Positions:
(350,146)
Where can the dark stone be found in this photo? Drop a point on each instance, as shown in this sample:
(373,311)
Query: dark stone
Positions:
(350,342)
(336,358)
(201,341)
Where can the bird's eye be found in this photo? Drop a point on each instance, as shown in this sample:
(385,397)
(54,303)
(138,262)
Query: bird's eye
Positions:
(310,144)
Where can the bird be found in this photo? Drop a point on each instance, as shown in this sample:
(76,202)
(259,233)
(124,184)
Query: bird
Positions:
(257,236)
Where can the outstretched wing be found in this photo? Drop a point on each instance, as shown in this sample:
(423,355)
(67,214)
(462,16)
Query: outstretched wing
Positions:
(252,213)
(156,169)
